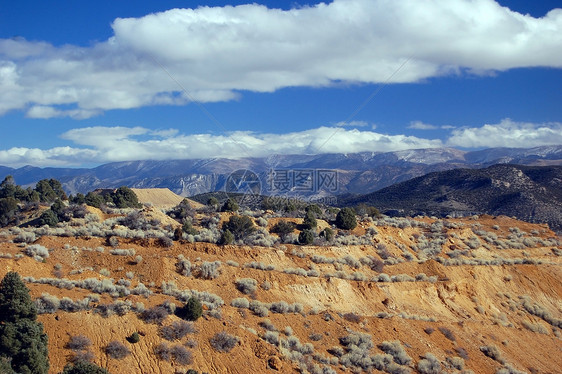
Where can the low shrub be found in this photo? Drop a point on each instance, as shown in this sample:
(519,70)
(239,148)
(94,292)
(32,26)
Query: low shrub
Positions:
(352,317)
(540,311)
(240,302)
(429,365)
(82,356)
(78,343)
(47,303)
(535,327)
(83,367)
(25,237)
(383,278)
(117,350)
(261,221)
(455,362)
(133,338)
(191,311)
(336,351)
(268,325)
(462,352)
(164,242)
(155,315)
(448,333)
(266,285)
(69,305)
(37,251)
(177,330)
(283,228)
(508,369)
(183,266)
(226,237)
(493,352)
(272,337)
(259,266)
(223,342)
(162,351)
(281,307)
(357,352)
(395,349)
(246,285)
(181,355)
(327,234)
(190,343)
(209,270)
(239,226)
(122,252)
(259,309)
(306,237)
(346,219)
(315,337)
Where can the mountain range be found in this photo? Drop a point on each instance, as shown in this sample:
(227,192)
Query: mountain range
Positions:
(356,173)
(524,183)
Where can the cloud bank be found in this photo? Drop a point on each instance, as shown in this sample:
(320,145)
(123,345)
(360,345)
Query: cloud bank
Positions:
(97,145)
(217,53)
(508,134)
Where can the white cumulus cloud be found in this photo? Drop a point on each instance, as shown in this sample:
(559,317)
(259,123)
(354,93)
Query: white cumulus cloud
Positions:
(107,144)
(507,133)
(217,53)
(100,144)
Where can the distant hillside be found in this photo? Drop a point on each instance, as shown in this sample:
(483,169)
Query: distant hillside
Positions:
(357,173)
(161,198)
(531,193)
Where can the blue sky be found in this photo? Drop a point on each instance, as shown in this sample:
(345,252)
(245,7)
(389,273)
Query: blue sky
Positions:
(85,83)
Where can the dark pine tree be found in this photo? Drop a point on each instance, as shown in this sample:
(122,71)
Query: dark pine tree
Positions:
(23,344)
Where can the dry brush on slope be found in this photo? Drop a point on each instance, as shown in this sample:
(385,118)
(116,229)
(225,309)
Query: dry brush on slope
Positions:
(394,295)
